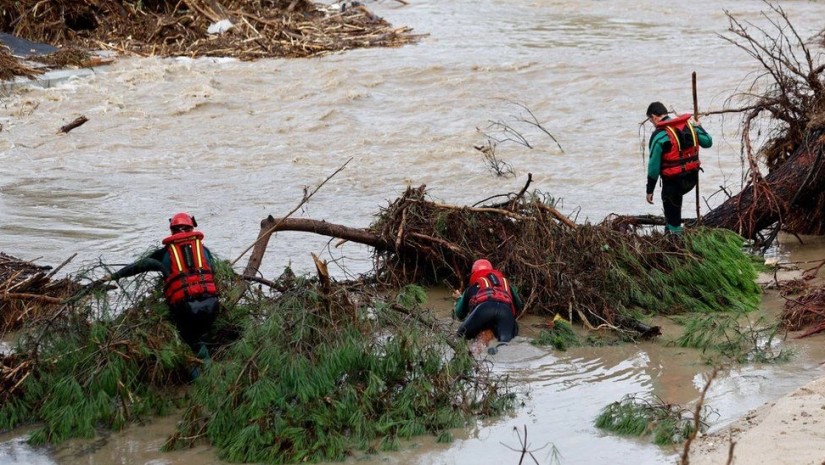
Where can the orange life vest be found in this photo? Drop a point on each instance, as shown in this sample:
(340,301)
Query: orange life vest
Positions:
(683,156)
(190,276)
(492,285)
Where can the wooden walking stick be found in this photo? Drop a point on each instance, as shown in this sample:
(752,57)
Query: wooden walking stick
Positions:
(696,117)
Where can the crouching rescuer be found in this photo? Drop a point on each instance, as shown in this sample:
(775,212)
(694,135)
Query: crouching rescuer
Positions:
(491,302)
(186,266)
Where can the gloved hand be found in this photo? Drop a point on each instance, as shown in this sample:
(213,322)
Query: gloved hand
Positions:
(99,282)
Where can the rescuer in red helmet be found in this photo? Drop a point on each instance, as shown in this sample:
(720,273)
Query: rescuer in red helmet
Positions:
(491,302)
(189,286)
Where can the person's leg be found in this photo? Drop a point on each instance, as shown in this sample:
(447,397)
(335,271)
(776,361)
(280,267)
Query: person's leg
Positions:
(505,327)
(483,317)
(194,320)
(688,181)
(672,204)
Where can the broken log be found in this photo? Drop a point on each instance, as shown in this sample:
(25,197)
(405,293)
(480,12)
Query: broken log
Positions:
(271,225)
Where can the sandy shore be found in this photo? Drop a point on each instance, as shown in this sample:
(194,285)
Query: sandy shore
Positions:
(789,431)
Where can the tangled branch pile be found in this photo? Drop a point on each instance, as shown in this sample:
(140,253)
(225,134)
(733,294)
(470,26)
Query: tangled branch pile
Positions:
(11,67)
(259,28)
(591,273)
(807,311)
(27,292)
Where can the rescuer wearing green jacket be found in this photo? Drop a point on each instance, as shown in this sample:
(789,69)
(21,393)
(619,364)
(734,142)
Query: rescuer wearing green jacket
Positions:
(674,155)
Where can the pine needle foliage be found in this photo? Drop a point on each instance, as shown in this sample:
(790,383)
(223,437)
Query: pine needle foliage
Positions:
(704,270)
(560,336)
(107,359)
(101,373)
(310,372)
(734,338)
(319,376)
(663,423)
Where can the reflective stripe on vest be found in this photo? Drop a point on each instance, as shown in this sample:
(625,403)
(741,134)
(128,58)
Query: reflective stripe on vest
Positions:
(492,286)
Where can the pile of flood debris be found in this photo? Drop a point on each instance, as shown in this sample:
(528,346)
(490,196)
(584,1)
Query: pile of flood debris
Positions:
(11,66)
(589,273)
(28,292)
(246,29)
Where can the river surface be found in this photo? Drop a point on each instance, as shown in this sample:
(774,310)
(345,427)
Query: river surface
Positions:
(232,142)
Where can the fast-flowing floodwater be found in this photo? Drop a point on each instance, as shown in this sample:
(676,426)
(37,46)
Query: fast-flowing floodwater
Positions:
(232,142)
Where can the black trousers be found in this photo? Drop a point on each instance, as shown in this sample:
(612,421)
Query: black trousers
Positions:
(194,319)
(490,315)
(673,189)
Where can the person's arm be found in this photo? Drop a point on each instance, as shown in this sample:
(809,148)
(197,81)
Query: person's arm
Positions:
(517,302)
(654,163)
(210,259)
(462,307)
(705,141)
(152,262)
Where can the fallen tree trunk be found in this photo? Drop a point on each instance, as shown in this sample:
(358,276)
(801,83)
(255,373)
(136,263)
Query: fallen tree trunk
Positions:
(792,195)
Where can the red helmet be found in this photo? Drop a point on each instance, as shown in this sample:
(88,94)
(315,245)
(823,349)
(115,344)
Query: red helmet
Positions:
(481,265)
(182,219)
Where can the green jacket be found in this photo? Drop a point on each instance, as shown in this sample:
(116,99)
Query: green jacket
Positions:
(656,146)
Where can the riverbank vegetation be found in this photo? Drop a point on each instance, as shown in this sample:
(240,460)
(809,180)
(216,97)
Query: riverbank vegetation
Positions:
(312,371)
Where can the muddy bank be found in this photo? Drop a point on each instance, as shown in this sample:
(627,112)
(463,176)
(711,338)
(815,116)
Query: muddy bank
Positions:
(788,431)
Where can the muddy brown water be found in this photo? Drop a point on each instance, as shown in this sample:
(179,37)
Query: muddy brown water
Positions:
(232,142)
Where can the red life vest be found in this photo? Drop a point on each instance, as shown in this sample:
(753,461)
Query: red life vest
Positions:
(190,276)
(683,156)
(492,285)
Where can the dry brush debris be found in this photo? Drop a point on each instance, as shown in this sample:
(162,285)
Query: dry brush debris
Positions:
(246,29)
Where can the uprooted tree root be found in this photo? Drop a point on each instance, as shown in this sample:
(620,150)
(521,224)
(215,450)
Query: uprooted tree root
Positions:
(268,28)
(789,99)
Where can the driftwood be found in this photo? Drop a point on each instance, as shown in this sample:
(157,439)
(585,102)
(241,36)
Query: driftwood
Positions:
(79,121)
(792,194)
